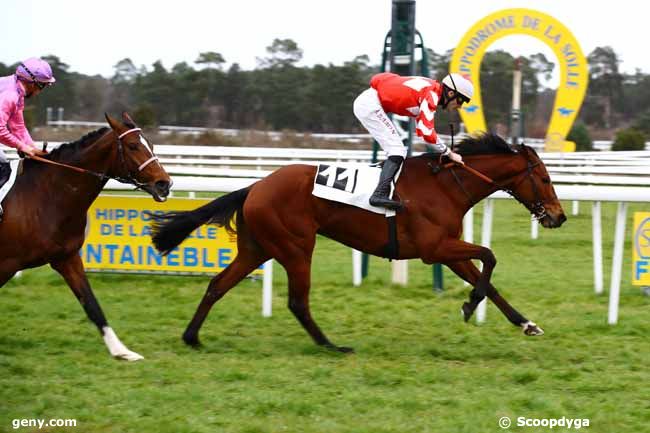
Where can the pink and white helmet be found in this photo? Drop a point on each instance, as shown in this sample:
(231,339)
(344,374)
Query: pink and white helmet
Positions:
(460,84)
(35,70)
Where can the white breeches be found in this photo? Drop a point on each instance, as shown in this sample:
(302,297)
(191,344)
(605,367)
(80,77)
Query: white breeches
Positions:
(372,116)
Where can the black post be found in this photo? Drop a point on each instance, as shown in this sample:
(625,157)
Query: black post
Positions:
(398,56)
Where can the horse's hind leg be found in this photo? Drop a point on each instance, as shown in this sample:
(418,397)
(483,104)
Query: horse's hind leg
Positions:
(299,285)
(470,273)
(72,270)
(247,260)
(292,246)
(294,254)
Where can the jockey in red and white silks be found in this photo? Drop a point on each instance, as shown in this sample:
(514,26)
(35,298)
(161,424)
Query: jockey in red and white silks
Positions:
(417,97)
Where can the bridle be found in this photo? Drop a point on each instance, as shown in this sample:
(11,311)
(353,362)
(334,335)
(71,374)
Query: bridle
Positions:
(535,207)
(129,178)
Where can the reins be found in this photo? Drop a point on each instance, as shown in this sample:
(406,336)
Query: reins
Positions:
(130,180)
(465,166)
(473,171)
(71,167)
(536,208)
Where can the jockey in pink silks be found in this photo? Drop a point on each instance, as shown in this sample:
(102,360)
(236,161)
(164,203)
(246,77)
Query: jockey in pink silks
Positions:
(31,77)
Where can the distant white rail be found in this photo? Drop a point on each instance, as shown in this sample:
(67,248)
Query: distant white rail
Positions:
(537,143)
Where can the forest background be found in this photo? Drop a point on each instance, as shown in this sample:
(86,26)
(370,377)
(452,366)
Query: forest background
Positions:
(282,96)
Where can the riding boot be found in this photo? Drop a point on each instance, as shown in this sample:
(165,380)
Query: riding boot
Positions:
(380,198)
(5,174)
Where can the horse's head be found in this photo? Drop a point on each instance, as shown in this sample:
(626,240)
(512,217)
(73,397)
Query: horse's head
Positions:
(519,171)
(135,161)
(532,187)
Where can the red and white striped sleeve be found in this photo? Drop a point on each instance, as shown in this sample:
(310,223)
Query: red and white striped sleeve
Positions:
(425,126)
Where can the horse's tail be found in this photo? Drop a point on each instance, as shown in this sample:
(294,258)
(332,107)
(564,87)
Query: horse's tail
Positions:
(171,228)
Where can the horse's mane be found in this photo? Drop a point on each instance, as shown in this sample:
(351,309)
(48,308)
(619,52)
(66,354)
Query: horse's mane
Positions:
(484,144)
(75,146)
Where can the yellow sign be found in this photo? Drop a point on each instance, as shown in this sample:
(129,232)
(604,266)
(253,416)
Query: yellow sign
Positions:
(118,239)
(574,75)
(641,253)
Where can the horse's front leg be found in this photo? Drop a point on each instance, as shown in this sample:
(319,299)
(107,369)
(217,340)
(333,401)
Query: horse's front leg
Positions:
(455,250)
(72,270)
(470,273)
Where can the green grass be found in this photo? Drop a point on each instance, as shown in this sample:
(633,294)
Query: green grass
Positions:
(417,367)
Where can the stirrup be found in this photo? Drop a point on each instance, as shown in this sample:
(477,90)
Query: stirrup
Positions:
(385,202)
(388,204)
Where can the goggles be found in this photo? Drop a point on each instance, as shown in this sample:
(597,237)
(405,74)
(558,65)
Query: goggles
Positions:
(462,99)
(41,85)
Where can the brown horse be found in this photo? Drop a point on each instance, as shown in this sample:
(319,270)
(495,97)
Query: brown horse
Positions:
(278,217)
(45,211)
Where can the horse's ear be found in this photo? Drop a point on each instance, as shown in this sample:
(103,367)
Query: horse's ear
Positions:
(127,118)
(112,122)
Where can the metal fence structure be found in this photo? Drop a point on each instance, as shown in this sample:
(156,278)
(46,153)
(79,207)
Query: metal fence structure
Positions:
(621,177)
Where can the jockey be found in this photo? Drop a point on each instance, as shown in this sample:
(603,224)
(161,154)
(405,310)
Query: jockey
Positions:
(417,97)
(31,76)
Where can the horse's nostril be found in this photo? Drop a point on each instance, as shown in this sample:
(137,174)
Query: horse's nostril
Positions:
(162,187)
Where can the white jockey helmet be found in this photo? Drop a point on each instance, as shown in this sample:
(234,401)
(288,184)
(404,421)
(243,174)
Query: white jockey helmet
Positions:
(460,84)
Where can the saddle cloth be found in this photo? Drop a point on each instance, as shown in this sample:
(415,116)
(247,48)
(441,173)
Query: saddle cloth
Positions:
(7,186)
(352,184)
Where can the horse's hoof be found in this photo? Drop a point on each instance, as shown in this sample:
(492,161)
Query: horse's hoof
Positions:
(192,341)
(128,356)
(467,311)
(531,329)
(341,349)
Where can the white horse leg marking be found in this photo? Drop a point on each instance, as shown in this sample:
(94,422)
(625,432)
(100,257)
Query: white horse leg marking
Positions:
(531,329)
(117,348)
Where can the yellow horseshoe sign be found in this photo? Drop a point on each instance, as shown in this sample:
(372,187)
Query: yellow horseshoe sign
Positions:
(574,75)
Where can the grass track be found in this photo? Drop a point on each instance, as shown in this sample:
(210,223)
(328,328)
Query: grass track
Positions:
(418,367)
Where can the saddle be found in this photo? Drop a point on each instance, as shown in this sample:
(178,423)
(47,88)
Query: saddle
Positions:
(353,184)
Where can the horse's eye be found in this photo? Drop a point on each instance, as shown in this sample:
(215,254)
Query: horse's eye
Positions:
(133,147)
(546,179)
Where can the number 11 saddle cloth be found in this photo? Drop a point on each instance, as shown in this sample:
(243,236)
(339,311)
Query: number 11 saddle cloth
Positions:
(351,184)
